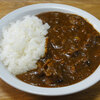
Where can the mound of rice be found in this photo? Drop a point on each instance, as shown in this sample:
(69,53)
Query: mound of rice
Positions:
(23,43)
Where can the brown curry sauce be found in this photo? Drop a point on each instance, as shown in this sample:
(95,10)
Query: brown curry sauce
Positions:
(72,52)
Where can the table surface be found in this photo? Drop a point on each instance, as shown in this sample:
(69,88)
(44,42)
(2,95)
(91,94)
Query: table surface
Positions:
(9,93)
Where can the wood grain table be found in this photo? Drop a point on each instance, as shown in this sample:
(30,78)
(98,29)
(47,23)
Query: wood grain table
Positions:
(9,93)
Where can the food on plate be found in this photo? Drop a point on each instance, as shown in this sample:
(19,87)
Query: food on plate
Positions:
(61,49)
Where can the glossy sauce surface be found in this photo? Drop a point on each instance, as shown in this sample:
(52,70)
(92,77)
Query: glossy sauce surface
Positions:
(72,52)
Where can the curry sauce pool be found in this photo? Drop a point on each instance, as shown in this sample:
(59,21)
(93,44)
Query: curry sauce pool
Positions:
(72,52)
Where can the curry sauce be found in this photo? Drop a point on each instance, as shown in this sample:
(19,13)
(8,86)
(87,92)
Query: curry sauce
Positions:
(72,52)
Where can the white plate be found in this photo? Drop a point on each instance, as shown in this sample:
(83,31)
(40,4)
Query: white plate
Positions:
(33,10)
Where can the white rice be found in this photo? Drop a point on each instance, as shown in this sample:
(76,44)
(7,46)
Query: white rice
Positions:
(23,43)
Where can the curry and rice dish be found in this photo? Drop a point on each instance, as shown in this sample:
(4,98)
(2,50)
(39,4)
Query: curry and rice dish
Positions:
(71,54)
